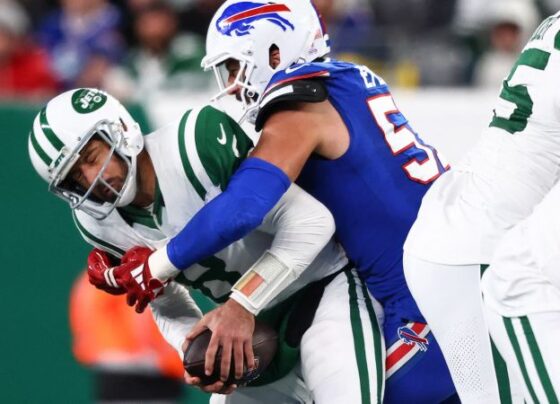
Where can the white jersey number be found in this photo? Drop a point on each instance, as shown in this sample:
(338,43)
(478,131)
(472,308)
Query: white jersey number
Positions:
(401,138)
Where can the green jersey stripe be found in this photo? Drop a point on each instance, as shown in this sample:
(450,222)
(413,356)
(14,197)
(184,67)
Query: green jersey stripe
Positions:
(151,218)
(192,149)
(39,150)
(185,159)
(500,367)
(379,363)
(538,360)
(359,343)
(49,133)
(221,144)
(97,241)
(519,356)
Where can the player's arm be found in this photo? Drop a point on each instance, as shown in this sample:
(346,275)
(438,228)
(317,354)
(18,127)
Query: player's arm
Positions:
(293,131)
(301,226)
(175,313)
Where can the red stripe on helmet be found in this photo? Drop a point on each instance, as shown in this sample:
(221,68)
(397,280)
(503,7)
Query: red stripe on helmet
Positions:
(268,8)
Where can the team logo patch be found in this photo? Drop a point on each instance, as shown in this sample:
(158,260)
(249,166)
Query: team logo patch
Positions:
(237,19)
(409,337)
(85,100)
(412,340)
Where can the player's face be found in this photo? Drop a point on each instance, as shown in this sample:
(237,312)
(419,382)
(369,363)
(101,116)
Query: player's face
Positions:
(91,161)
(232,67)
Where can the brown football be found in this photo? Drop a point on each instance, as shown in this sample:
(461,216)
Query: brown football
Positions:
(265,343)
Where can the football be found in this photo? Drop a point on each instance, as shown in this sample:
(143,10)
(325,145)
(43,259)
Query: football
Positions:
(265,342)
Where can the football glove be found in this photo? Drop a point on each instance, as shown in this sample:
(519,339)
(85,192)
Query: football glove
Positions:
(134,276)
(101,272)
(141,287)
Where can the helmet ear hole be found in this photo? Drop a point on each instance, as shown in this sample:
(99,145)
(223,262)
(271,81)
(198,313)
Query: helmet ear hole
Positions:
(123,124)
(274,58)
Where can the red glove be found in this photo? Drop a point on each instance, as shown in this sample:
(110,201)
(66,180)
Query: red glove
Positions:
(132,276)
(141,287)
(101,274)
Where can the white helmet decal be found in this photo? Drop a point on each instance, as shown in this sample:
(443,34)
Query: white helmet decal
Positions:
(246,31)
(65,126)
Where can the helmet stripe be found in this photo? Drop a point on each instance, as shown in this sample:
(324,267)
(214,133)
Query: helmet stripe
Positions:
(39,150)
(264,9)
(51,136)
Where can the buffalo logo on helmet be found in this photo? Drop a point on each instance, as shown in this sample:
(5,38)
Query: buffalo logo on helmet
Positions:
(410,337)
(237,19)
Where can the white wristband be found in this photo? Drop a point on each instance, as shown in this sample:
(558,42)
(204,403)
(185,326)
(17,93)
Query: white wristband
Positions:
(262,282)
(160,265)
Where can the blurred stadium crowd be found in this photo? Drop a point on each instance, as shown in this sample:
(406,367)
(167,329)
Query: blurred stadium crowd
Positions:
(132,48)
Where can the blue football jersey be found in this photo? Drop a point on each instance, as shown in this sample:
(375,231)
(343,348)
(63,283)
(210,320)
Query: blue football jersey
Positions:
(374,190)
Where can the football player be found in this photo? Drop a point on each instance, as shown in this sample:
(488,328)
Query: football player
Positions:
(466,213)
(333,127)
(521,291)
(129,190)
(521,288)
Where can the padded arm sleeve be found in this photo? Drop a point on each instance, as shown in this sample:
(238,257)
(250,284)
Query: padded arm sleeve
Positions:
(252,192)
(175,313)
(301,226)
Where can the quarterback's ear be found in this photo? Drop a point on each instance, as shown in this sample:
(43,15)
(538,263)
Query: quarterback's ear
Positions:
(273,56)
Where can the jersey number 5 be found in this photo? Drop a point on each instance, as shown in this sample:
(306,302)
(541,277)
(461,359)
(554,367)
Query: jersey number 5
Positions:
(518,94)
(423,165)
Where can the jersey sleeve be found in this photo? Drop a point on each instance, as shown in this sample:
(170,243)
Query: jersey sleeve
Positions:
(175,313)
(221,145)
(93,236)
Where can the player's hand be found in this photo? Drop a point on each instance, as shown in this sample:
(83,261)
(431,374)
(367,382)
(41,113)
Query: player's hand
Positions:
(232,329)
(100,272)
(132,276)
(135,276)
(218,387)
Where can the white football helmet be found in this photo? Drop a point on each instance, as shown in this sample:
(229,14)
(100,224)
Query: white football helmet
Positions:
(246,31)
(64,127)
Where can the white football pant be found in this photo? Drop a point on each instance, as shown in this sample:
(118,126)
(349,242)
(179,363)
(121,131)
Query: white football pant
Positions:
(449,297)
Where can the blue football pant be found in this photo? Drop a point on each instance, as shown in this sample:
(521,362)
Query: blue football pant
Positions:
(416,370)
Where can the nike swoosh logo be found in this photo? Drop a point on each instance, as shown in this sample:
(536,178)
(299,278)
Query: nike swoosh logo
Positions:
(222,139)
(290,70)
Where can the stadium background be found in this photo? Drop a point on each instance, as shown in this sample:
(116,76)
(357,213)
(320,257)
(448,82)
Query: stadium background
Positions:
(443,59)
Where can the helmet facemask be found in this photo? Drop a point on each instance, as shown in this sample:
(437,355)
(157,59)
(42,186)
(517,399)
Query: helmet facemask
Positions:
(247,92)
(84,199)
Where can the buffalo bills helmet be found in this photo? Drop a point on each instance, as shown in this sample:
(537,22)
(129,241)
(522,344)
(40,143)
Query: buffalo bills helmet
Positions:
(246,31)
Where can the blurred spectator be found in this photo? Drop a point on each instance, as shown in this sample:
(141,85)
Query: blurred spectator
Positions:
(83,41)
(422,48)
(24,68)
(130,360)
(162,61)
(196,14)
(351,27)
(508,25)
(547,7)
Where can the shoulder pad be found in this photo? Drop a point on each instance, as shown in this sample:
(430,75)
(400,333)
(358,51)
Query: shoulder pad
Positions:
(290,91)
